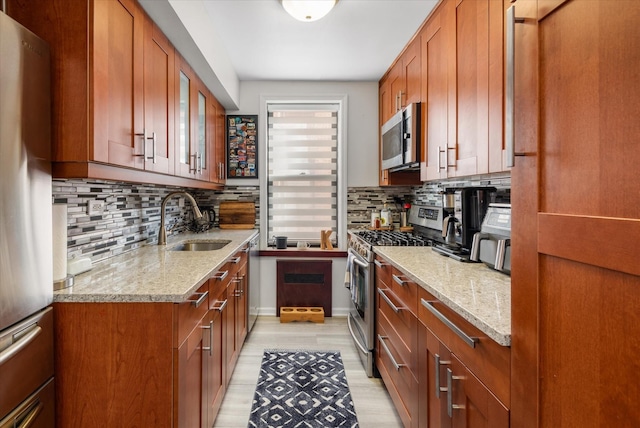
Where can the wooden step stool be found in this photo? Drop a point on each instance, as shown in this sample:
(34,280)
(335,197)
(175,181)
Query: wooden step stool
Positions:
(302,313)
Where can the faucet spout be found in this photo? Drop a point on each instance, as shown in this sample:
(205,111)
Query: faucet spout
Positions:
(162,236)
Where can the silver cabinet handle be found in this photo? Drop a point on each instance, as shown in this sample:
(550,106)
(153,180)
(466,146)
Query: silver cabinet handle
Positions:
(399,280)
(450,405)
(236,260)
(25,421)
(19,344)
(380,264)
(222,305)
(446,153)
(509,104)
(154,149)
(388,352)
(471,341)
(200,299)
(210,328)
(395,308)
(143,134)
(220,275)
(439,363)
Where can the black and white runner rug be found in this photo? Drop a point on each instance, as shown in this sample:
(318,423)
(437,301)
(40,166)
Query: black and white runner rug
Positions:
(302,389)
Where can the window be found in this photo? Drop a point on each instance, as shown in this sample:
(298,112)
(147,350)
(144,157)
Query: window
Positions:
(302,170)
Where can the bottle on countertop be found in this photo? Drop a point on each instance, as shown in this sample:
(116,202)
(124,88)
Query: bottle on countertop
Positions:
(385,217)
(375,219)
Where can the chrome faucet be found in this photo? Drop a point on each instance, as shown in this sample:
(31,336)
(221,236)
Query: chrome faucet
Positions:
(162,237)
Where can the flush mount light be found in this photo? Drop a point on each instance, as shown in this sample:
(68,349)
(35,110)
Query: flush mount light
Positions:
(308,10)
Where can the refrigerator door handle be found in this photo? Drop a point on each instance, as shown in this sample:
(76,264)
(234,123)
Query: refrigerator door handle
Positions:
(19,344)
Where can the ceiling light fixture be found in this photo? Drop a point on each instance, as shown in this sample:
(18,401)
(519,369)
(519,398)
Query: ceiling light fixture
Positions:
(308,10)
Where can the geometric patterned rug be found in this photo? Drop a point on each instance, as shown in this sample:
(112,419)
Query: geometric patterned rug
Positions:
(302,389)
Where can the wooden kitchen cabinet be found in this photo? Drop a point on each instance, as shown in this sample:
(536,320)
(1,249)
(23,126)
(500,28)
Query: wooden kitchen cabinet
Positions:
(217,136)
(130,364)
(575,274)
(437,54)
(462,384)
(216,369)
(479,86)
(397,339)
(118,124)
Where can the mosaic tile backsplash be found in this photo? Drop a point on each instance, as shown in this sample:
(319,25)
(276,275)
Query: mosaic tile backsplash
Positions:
(132,214)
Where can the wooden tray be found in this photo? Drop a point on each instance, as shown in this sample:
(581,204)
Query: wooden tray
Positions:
(237,215)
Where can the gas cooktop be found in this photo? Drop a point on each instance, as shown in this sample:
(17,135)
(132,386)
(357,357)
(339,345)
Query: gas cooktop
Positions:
(392,238)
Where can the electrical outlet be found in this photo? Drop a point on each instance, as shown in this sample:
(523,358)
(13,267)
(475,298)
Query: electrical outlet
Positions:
(181,202)
(95,206)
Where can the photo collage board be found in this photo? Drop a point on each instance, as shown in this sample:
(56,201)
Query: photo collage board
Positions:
(242,147)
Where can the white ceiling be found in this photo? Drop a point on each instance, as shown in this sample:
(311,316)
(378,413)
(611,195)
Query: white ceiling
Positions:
(227,41)
(357,40)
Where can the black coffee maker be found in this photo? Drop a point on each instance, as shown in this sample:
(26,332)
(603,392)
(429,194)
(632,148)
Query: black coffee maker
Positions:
(463,211)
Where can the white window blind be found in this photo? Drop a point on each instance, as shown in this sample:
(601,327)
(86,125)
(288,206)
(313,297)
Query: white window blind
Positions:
(302,170)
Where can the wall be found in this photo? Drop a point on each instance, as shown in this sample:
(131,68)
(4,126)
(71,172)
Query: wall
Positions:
(362,120)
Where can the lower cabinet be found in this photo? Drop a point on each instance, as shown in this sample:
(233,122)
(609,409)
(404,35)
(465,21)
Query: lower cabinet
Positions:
(439,374)
(150,364)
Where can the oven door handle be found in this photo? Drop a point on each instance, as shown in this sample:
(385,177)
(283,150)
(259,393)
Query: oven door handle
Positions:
(363,265)
(353,335)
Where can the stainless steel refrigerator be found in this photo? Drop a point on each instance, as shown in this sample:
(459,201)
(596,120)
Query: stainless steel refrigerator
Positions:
(26,261)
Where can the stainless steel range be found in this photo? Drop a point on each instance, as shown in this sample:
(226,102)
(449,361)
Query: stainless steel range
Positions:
(360,280)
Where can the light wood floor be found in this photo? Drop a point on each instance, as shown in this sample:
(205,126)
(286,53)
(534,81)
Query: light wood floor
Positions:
(371,400)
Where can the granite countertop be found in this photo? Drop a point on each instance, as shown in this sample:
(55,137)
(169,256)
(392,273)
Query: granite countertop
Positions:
(154,273)
(479,294)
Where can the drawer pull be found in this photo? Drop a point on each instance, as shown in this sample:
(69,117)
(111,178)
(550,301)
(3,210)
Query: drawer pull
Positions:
(202,297)
(439,363)
(450,405)
(222,305)
(220,275)
(395,308)
(380,264)
(19,344)
(388,351)
(210,347)
(236,260)
(471,341)
(399,280)
(246,249)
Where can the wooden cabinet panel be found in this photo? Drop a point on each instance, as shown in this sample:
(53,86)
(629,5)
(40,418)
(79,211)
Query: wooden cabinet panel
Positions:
(215,379)
(575,102)
(190,370)
(158,136)
(117,43)
(108,371)
(435,93)
(217,142)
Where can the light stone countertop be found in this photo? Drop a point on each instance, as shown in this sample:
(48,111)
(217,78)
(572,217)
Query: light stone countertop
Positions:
(479,294)
(154,273)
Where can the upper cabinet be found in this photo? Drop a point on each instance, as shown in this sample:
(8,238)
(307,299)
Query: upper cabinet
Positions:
(438,93)
(217,134)
(192,139)
(458,58)
(159,95)
(116,110)
(479,86)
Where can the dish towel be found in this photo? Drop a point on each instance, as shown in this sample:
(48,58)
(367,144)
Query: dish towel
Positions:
(347,274)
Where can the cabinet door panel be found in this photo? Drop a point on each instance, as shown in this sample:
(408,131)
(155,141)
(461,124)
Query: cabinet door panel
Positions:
(189,380)
(117,81)
(472,65)
(473,405)
(435,96)
(159,72)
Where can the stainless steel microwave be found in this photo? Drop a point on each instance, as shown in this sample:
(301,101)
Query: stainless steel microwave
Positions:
(401,139)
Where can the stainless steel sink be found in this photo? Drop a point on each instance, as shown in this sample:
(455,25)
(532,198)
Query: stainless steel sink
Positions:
(208,245)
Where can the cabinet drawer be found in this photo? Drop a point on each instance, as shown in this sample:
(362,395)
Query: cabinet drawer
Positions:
(488,360)
(402,322)
(400,382)
(404,289)
(190,312)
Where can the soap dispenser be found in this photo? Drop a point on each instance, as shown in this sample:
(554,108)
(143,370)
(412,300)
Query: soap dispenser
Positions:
(385,217)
